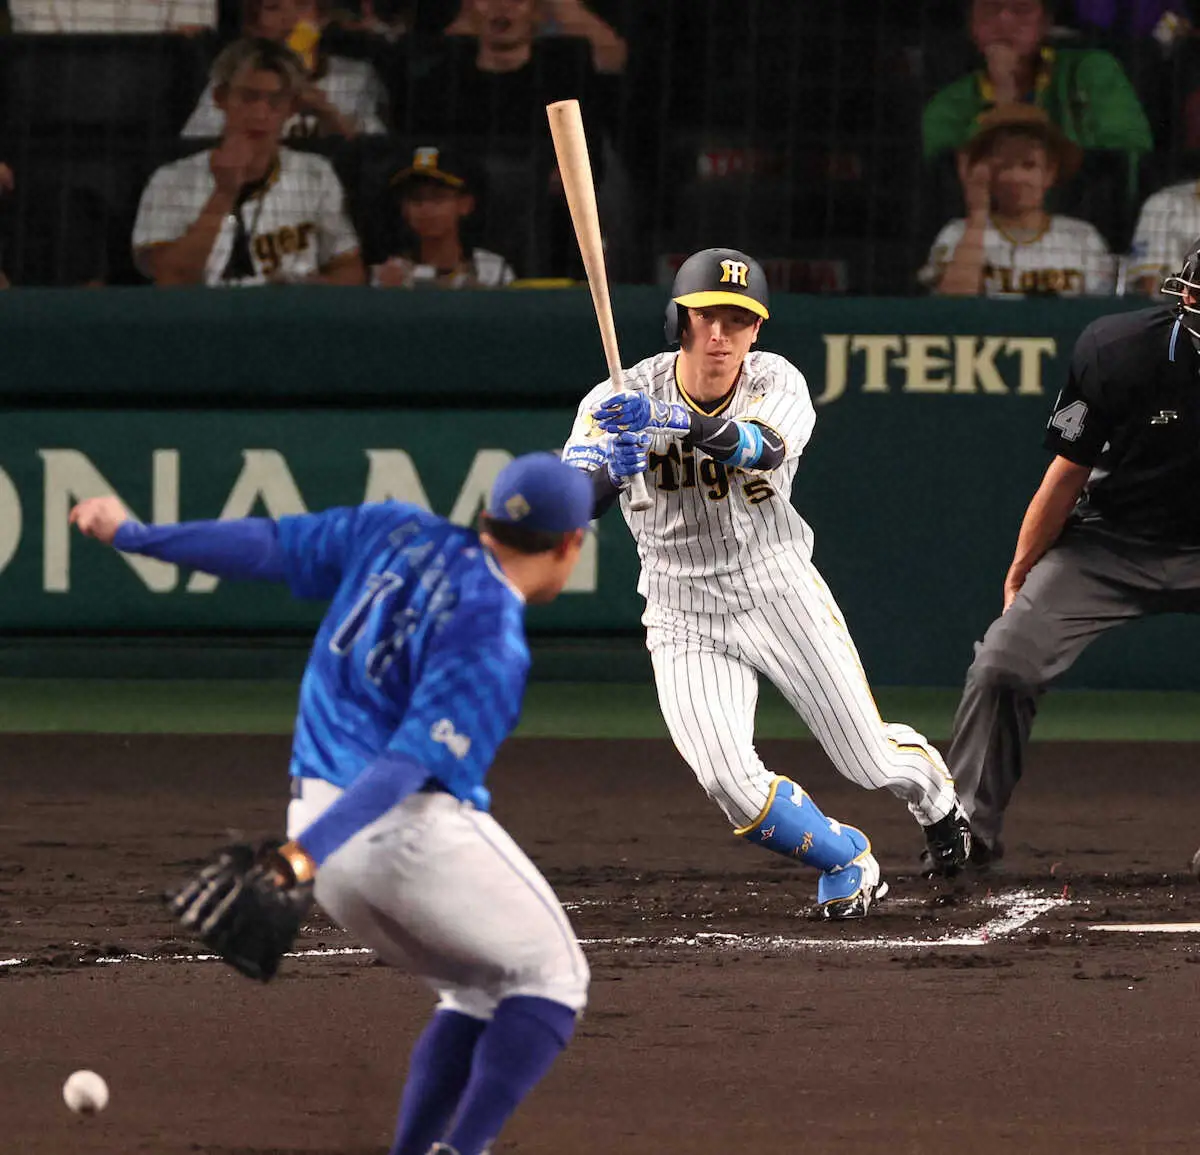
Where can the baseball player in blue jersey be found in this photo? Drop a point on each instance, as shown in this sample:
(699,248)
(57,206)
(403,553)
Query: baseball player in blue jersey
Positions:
(415,678)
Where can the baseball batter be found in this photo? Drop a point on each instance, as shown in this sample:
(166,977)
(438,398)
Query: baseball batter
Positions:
(415,678)
(730,588)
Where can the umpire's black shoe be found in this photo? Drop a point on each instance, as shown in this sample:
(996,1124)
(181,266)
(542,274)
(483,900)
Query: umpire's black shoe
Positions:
(947,845)
(983,856)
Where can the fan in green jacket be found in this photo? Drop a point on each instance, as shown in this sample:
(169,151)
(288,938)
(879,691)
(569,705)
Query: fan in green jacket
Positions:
(1084,91)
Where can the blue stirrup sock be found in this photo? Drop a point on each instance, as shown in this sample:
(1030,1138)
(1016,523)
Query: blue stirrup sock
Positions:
(515,1050)
(437,1075)
(792,825)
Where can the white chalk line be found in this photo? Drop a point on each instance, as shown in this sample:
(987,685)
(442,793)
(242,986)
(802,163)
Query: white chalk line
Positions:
(183,956)
(1149,927)
(1017,910)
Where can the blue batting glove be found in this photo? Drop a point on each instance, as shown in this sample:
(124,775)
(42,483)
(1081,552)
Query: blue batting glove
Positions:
(628,456)
(636,412)
(623,411)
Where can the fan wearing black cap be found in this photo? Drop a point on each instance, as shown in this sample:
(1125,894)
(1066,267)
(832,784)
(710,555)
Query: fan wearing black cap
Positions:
(1111,535)
(731,592)
(434,198)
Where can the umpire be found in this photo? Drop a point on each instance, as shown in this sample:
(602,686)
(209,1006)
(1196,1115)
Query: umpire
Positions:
(1112,533)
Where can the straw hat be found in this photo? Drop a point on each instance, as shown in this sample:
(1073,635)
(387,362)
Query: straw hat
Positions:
(1029,120)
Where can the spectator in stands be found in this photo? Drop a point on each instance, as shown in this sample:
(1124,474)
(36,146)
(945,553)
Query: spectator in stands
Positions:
(499,83)
(555,18)
(1168,224)
(112,15)
(249,212)
(434,196)
(342,97)
(1009,245)
(1084,91)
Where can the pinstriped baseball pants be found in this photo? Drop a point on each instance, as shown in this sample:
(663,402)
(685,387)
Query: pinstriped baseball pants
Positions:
(706,667)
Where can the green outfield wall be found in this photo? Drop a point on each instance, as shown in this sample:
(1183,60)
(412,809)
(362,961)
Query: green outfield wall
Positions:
(223,404)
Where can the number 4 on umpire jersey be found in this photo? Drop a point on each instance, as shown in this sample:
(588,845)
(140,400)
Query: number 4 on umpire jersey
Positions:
(1069,419)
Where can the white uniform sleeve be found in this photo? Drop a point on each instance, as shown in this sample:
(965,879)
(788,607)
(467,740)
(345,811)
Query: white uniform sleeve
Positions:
(169,206)
(940,253)
(787,408)
(336,235)
(1157,251)
(587,447)
(1099,266)
(206,119)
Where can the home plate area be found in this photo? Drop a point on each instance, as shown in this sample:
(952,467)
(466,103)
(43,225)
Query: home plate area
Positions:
(723,1016)
(917,915)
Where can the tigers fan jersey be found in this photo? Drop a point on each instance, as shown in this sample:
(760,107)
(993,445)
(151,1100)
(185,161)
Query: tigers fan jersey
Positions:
(1070,259)
(715,538)
(1167,225)
(294,226)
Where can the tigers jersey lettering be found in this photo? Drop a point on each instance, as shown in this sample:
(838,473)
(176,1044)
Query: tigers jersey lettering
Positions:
(716,537)
(1069,259)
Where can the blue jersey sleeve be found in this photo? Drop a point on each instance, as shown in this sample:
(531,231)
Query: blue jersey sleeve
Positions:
(316,548)
(245,549)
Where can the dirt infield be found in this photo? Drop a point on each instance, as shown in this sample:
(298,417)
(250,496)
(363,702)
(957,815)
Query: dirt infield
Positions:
(722,1019)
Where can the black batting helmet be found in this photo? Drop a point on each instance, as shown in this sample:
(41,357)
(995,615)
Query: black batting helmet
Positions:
(1187,280)
(715,277)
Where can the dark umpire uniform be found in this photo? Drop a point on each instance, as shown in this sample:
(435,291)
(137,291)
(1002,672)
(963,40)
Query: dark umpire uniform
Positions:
(1112,534)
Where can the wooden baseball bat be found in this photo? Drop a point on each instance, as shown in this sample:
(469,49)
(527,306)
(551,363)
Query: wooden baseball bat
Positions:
(575,168)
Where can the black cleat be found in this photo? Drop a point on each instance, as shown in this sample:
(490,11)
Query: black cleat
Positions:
(948,845)
(983,856)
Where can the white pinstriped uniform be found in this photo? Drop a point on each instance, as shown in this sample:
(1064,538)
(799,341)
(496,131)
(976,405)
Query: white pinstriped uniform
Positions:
(731,593)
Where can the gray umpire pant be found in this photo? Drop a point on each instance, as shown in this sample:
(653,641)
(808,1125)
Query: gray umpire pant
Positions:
(1088,582)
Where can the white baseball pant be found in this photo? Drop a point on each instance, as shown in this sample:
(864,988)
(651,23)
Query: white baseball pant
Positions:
(440,889)
(706,668)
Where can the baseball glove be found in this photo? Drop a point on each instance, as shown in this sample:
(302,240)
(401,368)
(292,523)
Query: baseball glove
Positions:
(246,905)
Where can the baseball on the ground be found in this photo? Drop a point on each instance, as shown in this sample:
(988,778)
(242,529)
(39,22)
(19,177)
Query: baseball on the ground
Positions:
(86,1093)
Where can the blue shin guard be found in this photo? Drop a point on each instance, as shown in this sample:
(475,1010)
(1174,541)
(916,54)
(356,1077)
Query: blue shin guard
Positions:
(792,825)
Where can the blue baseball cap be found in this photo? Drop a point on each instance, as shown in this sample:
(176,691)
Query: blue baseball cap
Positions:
(538,492)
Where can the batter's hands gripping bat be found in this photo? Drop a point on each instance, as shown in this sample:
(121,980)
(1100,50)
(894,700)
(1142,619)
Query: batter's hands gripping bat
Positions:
(570,147)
